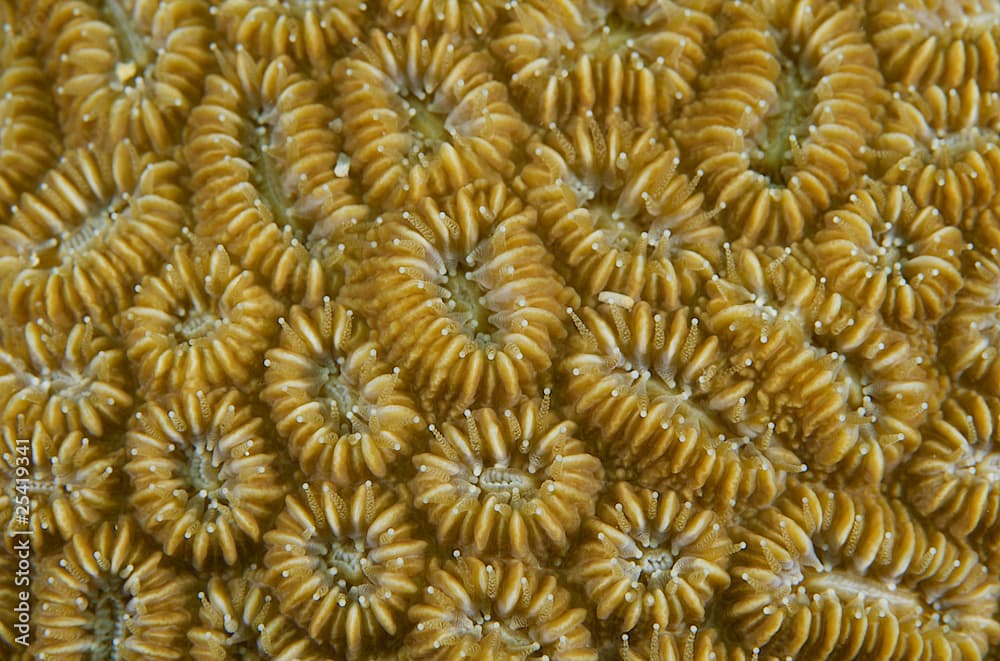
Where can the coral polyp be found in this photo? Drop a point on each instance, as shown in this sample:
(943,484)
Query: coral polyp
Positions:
(785,116)
(109,594)
(125,69)
(239,619)
(74,484)
(618,214)
(650,559)
(345,564)
(505,609)
(264,162)
(938,42)
(204,479)
(464,296)
(307,30)
(885,253)
(954,471)
(668,408)
(68,381)
(844,573)
(821,361)
(423,116)
(79,244)
(342,407)
(516,483)
(201,321)
(942,143)
(640,59)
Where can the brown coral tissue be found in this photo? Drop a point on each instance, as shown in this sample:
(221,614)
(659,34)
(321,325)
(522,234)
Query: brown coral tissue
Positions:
(204,483)
(516,483)
(345,564)
(631,330)
(341,407)
(108,594)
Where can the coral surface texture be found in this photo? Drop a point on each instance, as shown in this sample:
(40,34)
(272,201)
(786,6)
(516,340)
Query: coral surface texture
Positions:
(565,330)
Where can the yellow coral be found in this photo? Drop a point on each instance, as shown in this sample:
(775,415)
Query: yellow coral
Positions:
(204,480)
(784,120)
(109,593)
(503,608)
(423,116)
(345,564)
(649,559)
(516,486)
(342,408)
(576,329)
(463,294)
(200,322)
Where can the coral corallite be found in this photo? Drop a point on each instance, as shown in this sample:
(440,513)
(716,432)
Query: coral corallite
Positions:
(514,330)
(618,213)
(201,321)
(502,610)
(264,164)
(912,591)
(70,381)
(345,564)
(638,58)
(649,558)
(883,251)
(515,483)
(108,594)
(341,407)
(87,235)
(125,70)
(423,117)
(464,295)
(203,480)
(75,485)
(238,619)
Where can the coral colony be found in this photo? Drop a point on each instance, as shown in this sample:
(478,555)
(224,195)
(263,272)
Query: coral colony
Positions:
(500,329)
